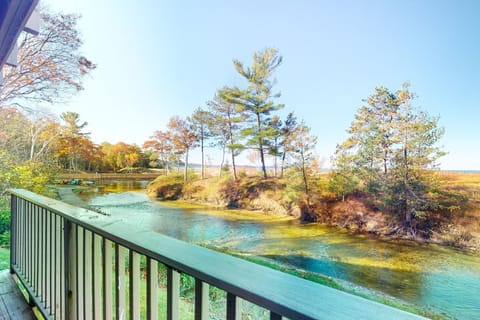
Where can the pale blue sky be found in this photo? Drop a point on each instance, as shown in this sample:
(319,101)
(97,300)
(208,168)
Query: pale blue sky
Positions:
(160,58)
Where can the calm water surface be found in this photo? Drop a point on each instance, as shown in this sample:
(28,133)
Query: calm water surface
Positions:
(442,280)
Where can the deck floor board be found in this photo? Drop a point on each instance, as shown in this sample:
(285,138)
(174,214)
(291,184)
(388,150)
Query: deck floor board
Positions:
(12,303)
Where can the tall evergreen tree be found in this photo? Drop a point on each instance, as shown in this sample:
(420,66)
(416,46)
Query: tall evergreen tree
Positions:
(72,138)
(289,126)
(276,125)
(257,99)
(200,120)
(226,124)
(392,147)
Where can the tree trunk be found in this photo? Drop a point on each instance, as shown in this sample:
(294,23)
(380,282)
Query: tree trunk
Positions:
(305,181)
(234,166)
(185,173)
(203,158)
(230,133)
(282,165)
(260,147)
(262,159)
(223,161)
(275,160)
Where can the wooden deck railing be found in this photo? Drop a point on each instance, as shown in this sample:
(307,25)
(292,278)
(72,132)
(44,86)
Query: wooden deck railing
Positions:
(76,264)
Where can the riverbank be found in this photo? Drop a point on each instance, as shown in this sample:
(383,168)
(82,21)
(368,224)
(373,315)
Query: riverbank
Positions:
(457,226)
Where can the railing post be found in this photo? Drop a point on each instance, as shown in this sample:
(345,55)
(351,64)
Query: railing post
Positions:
(13,231)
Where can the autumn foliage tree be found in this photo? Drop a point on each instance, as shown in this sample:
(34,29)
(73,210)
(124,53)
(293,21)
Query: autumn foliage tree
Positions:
(50,67)
(162,144)
(184,139)
(25,150)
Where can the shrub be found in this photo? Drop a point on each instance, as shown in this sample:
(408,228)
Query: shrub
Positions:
(166,187)
(4,215)
(231,193)
(5,239)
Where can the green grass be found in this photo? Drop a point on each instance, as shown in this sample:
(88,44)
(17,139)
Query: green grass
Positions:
(4,258)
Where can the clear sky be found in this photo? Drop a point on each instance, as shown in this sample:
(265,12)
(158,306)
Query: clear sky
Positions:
(161,58)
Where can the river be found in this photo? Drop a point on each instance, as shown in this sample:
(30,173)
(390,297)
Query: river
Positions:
(435,278)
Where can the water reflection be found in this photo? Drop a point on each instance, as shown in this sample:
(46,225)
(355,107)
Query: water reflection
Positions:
(430,276)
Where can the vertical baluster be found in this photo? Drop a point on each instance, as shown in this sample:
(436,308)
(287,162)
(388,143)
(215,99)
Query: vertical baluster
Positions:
(67,230)
(87,274)
(48,254)
(152,289)
(201,300)
(45,257)
(61,267)
(23,247)
(234,307)
(29,242)
(120,282)
(71,292)
(52,265)
(24,242)
(41,254)
(56,258)
(134,271)
(37,250)
(97,276)
(80,273)
(173,293)
(107,279)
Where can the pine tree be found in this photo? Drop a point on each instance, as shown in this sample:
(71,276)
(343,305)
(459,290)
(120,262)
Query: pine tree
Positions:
(256,101)
(200,120)
(392,149)
(226,124)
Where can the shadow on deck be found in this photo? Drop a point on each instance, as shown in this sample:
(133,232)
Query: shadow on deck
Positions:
(12,302)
